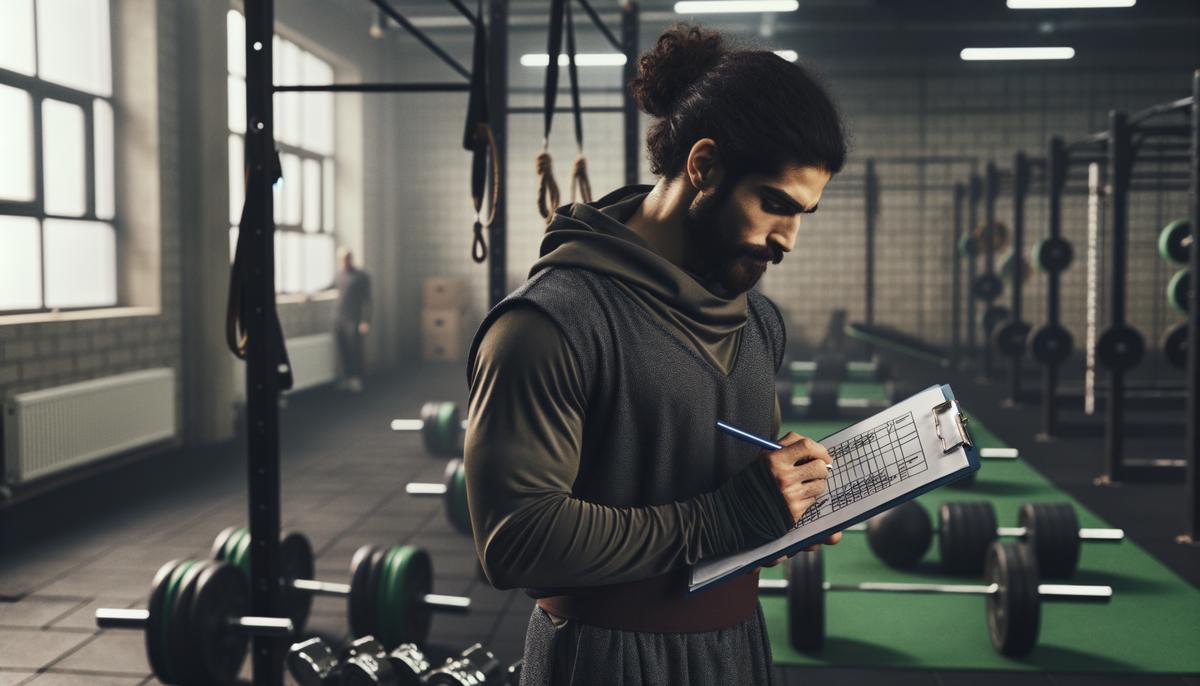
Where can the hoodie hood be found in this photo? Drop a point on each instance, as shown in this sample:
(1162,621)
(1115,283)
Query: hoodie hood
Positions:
(595,237)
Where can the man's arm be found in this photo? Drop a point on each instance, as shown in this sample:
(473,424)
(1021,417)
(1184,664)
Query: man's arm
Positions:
(527,407)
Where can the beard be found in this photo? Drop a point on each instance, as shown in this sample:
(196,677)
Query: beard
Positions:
(717,253)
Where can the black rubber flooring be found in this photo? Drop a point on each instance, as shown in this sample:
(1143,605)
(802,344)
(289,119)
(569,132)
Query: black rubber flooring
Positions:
(99,542)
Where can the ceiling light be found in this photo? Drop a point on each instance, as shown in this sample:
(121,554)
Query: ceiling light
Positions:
(583,59)
(986,54)
(789,55)
(377,31)
(734,6)
(1068,4)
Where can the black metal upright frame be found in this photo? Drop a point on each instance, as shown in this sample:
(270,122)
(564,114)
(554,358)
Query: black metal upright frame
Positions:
(870,225)
(1056,181)
(498,104)
(1020,189)
(974,196)
(960,193)
(630,15)
(991,190)
(1192,450)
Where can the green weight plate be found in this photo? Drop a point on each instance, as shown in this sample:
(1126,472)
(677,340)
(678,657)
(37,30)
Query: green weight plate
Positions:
(360,591)
(1014,611)
(157,622)
(441,428)
(1179,290)
(412,580)
(239,555)
(216,652)
(374,572)
(967,245)
(296,562)
(179,643)
(386,609)
(806,601)
(167,620)
(1174,241)
(222,539)
(455,480)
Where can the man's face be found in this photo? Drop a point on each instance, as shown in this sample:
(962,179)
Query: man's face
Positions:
(734,233)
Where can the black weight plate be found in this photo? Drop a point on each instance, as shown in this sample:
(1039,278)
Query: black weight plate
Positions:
(822,399)
(360,590)
(994,316)
(1010,338)
(1014,611)
(1050,344)
(901,536)
(1174,345)
(1120,347)
(1052,532)
(159,617)
(806,600)
(831,366)
(296,562)
(220,592)
(1179,291)
(965,530)
(1053,255)
(181,649)
(219,543)
(966,482)
(987,287)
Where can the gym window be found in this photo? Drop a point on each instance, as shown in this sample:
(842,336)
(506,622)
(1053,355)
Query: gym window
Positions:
(304,216)
(58,241)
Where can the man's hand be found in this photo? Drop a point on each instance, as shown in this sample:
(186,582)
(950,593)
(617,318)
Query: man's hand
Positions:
(800,470)
(364,328)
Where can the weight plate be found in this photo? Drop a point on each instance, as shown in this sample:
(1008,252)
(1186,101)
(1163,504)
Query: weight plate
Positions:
(220,591)
(218,546)
(361,595)
(441,428)
(967,245)
(1174,345)
(987,287)
(1010,338)
(1053,255)
(1006,267)
(822,400)
(994,316)
(239,554)
(1175,240)
(455,480)
(385,606)
(901,536)
(167,621)
(155,632)
(1120,347)
(994,237)
(296,561)
(1051,344)
(965,530)
(411,579)
(966,482)
(806,600)
(1052,532)
(1014,611)
(374,572)
(1179,290)
(180,644)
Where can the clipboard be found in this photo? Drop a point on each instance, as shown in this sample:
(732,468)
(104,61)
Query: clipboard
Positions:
(875,469)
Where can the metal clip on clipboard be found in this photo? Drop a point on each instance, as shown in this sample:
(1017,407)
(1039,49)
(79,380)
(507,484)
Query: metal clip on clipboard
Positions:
(951,426)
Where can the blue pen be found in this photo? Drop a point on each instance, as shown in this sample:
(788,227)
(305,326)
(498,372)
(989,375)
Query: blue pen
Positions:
(751,438)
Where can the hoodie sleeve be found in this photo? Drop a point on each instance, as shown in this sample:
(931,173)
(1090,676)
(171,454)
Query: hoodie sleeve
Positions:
(522,453)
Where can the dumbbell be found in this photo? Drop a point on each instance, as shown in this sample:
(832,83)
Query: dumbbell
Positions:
(453,490)
(441,426)
(902,536)
(476,666)
(1011,588)
(196,623)
(365,661)
(391,587)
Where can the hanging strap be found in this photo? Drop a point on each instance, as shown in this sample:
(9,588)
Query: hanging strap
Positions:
(249,251)
(479,140)
(547,193)
(579,176)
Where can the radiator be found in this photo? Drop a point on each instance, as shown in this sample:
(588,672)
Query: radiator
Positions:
(314,362)
(55,429)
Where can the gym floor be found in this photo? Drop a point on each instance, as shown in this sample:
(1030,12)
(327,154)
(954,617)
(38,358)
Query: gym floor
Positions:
(97,543)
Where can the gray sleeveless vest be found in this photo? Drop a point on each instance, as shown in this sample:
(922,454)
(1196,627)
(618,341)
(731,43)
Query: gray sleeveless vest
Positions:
(652,401)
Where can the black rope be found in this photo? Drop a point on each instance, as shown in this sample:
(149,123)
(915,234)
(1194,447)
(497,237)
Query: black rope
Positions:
(479,141)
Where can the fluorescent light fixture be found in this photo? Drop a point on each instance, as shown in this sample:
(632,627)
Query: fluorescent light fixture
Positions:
(789,55)
(734,6)
(1068,4)
(987,54)
(583,59)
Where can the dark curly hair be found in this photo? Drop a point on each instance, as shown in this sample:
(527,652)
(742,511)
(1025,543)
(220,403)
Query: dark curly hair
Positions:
(763,111)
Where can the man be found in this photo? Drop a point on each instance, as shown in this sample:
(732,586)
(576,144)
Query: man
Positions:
(595,477)
(352,319)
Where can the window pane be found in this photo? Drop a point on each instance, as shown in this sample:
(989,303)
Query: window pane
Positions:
(64,173)
(293,258)
(20,264)
(280,262)
(16,36)
(318,262)
(312,195)
(16,144)
(73,44)
(327,197)
(102,119)
(292,187)
(287,105)
(233,236)
(318,107)
(235,31)
(81,259)
(237,104)
(237,179)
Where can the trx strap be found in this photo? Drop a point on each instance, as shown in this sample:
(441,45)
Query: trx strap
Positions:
(547,194)
(254,217)
(479,140)
(579,176)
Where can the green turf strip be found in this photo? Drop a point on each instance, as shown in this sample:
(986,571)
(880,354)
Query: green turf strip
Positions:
(1152,624)
(847,389)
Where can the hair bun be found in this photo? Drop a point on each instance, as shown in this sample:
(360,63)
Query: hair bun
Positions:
(682,55)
